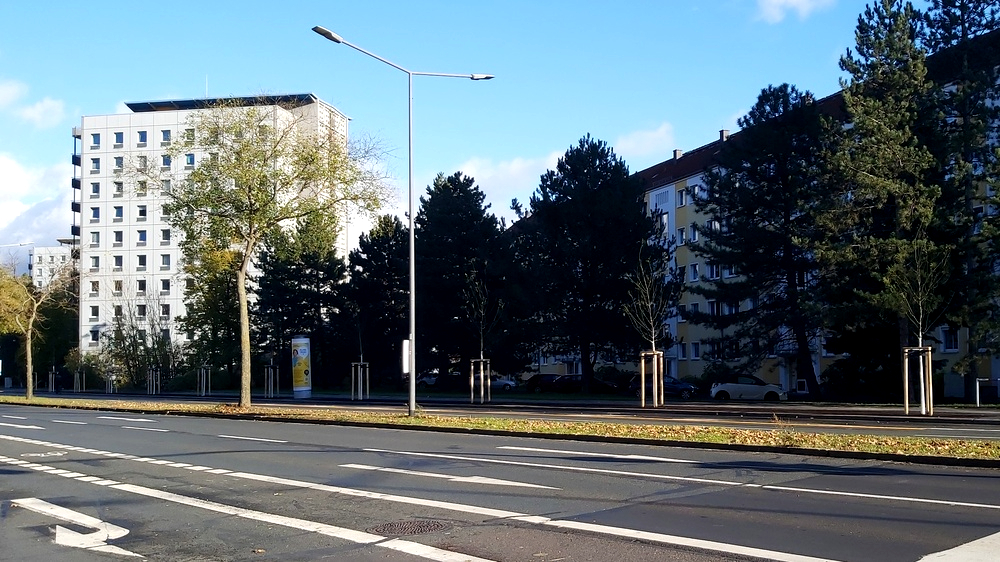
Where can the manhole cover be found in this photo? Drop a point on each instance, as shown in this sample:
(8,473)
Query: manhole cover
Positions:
(398,528)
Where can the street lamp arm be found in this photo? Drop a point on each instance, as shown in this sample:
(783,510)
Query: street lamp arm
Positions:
(338,39)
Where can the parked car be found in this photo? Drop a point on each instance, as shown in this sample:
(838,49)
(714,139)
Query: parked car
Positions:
(542,383)
(501,383)
(747,387)
(671,387)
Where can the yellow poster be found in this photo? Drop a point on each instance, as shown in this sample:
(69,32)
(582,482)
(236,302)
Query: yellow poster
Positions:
(301,366)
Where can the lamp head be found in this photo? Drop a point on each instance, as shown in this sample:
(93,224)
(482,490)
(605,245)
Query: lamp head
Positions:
(328,34)
(481,77)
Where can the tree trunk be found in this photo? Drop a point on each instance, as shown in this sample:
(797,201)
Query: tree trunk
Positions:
(241,293)
(29,391)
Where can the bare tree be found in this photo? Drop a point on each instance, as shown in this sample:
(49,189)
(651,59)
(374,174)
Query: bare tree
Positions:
(654,295)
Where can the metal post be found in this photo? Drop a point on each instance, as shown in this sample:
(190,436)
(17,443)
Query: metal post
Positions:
(359,380)
(52,379)
(642,380)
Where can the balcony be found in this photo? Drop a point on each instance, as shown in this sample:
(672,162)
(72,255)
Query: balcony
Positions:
(76,183)
(75,206)
(76,160)
(75,230)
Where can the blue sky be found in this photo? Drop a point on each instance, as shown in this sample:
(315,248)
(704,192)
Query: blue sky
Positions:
(645,76)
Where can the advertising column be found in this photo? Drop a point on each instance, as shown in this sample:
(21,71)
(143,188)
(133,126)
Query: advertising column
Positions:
(301,368)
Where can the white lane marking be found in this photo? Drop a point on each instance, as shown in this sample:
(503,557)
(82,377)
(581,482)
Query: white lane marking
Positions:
(699,480)
(880,497)
(603,455)
(980,550)
(125,419)
(431,552)
(97,540)
(19,426)
(45,454)
(685,541)
(144,429)
(559,467)
(252,439)
(359,537)
(69,422)
(13,417)
(464,479)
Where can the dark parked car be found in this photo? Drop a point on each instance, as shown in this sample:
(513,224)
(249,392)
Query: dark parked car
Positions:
(567,384)
(671,387)
(542,383)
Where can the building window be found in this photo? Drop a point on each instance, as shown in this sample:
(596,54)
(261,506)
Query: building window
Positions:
(141,188)
(715,308)
(695,276)
(141,213)
(118,237)
(141,236)
(189,134)
(95,165)
(164,261)
(94,311)
(119,163)
(165,162)
(189,160)
(681,236)
(949,339)
(140,310)
(118,285)
(165,137)
(164,286)
(95,288)
(165,236)
(95,239)
(694,307)
(695,350)
(681,197)
(681,312)
(95,263)
(140,286)
(118,311)
(119,139)
(165,334)
(95,214)
(95,140)
(694,232)
(141,262)
(119,189)
(166,185)
(682,350)
(164,311)
(95,190)
(119,213)
(142,138)
(118,260)
(142,163)
(94,337)
(713,271)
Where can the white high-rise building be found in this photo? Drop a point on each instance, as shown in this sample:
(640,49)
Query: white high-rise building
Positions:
(45,262)
(129,255)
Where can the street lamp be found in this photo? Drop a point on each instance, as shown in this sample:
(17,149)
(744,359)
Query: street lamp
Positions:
(412,404)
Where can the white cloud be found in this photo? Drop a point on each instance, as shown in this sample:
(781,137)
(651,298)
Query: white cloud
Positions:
(637,146)
(773,11)
(34,203)
(11,91)
(44,114)
(507,180)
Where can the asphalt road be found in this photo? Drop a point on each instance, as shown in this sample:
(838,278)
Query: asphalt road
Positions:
(87,485)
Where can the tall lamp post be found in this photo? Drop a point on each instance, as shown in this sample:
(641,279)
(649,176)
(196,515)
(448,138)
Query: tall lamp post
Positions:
(412,404)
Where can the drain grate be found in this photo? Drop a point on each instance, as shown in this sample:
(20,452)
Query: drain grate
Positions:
(400,528)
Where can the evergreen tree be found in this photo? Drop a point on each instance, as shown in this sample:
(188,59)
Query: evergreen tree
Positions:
(578,247)
(211,312)
(455,239)
(301,290)
(964,69)
(759,246)
(379,283)
(888,179)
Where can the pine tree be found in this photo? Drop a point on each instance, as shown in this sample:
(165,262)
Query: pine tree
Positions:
(965,72)
(760,242)
(455,239)
(577,247)
(379,284)
(888,176)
